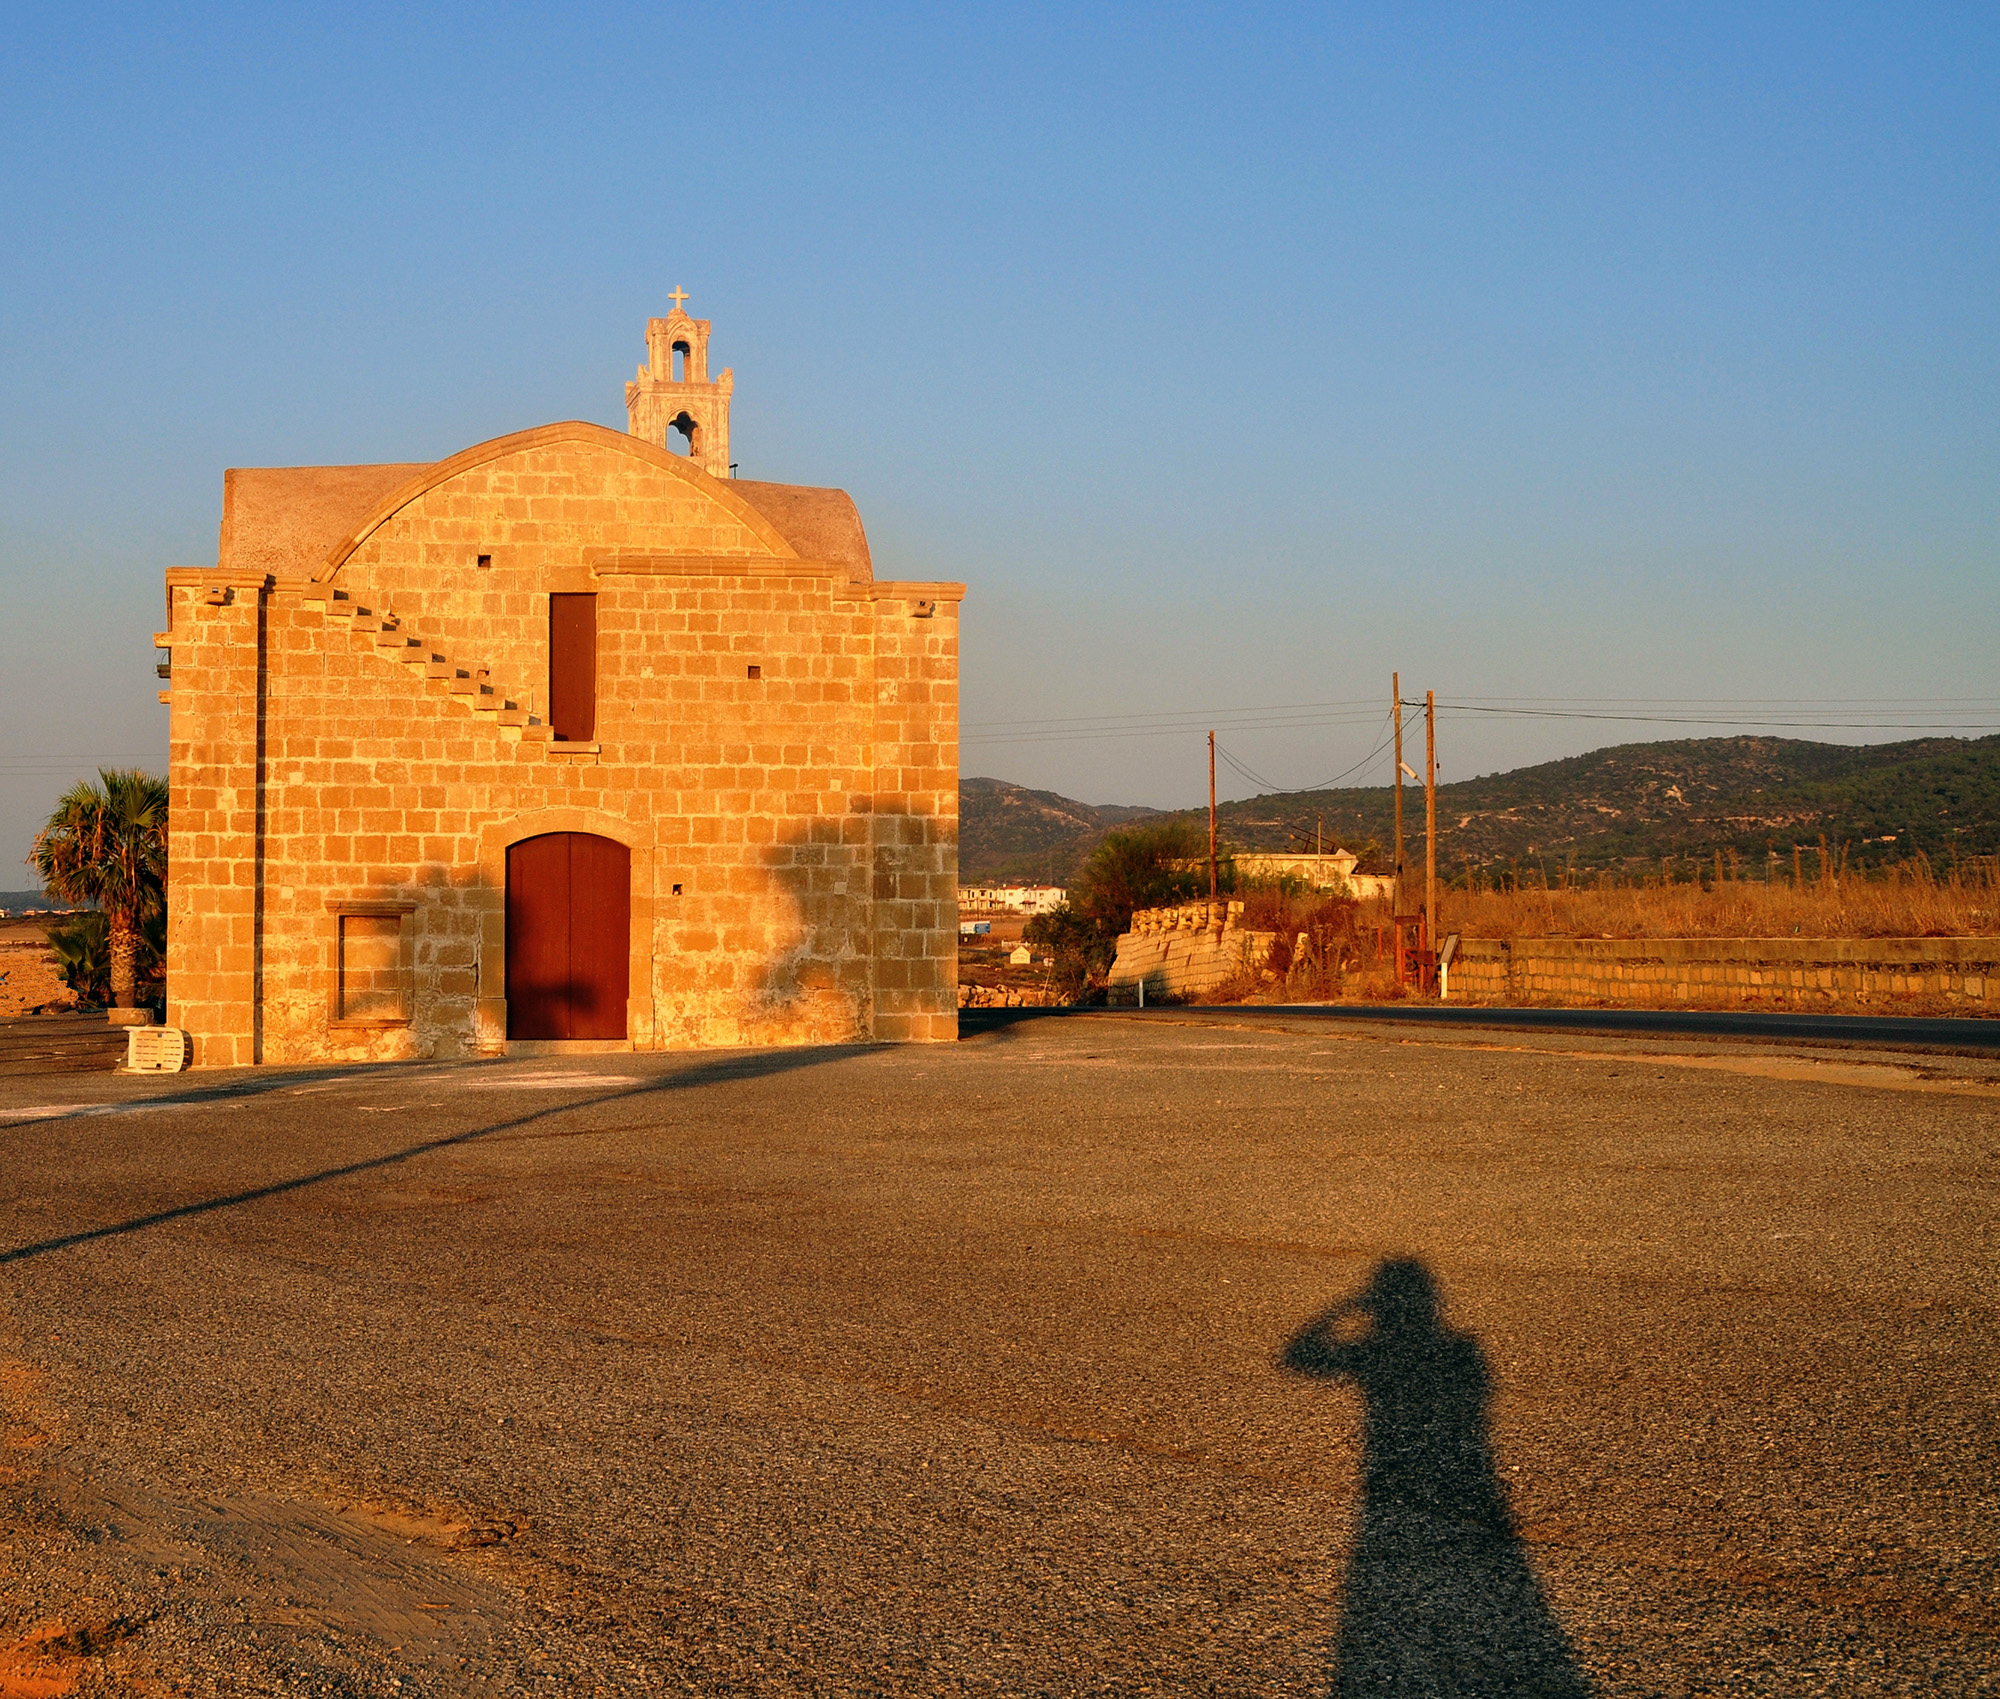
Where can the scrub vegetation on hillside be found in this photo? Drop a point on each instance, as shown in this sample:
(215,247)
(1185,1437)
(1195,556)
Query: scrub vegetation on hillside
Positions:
(1626,809)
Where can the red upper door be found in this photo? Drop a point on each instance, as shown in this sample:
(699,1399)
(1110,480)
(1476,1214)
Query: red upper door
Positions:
(573,668)
(569,932)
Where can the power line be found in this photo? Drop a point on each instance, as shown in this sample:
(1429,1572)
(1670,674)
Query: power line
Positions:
(1190,725)
(1258,778)
(1381,748)
(34,768)
(1906,714)
(1255,777)
(1714,701)
(1790,703)
(1202,714)
(1879,724)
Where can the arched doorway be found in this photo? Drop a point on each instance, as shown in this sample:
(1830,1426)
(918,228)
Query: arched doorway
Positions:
(569,936)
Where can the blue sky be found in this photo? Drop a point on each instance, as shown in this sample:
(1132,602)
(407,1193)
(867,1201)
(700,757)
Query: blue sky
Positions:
(1233,356)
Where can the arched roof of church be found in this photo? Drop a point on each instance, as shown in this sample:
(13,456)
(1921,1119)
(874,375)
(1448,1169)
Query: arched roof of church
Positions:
(819,524)
(296,520)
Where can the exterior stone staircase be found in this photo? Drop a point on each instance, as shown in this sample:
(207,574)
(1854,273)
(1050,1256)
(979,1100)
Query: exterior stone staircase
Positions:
(388,636)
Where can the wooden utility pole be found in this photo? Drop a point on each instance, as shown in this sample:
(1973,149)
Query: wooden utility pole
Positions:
(1211,828)
(1396,691)
(1430,823)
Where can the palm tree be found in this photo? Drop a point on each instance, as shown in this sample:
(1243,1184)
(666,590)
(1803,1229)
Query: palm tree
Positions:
(107,843)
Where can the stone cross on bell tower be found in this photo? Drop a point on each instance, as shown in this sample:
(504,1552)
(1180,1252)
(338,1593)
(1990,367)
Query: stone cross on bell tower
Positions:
(674,393)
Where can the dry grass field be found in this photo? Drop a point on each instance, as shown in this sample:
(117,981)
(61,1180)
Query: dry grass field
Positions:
(1909,901)
(28,976)
(1343,960)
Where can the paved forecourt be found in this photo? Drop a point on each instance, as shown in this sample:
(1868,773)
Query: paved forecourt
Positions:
(1251,1353)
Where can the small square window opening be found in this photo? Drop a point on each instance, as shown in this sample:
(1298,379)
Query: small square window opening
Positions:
(485,561)
(756,672)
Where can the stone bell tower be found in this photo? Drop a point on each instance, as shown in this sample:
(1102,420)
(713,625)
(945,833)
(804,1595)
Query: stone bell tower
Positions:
(674,393)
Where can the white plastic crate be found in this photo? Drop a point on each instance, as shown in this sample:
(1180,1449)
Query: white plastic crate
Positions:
(156,1049)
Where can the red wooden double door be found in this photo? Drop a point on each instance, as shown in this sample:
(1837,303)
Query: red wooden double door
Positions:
(569,936)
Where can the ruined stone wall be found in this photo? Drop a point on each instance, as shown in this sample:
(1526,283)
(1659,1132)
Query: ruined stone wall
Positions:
(1184,951)
(1185,917)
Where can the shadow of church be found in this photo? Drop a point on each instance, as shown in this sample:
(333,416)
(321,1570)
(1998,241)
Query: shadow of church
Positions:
(1439,1598)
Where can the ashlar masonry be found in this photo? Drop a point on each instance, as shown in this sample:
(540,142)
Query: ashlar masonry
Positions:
(569,739)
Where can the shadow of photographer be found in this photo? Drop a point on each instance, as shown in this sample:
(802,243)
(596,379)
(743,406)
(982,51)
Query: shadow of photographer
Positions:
(1439,1599)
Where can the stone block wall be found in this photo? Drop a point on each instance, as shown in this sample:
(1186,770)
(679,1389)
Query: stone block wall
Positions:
(548,515)
(914,809)
(1780,972)
(368,742)
(215,804)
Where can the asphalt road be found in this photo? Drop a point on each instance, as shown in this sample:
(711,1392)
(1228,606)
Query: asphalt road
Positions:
(1971,1036)
(1173,1354)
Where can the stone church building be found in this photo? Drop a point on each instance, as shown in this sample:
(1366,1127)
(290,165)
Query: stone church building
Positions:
(570,739)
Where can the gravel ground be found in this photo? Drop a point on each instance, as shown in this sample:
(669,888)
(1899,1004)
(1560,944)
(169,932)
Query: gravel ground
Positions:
(1113,1355)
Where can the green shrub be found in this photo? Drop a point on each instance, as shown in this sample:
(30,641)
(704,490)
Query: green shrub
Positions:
(81,945)
(1150,866)
(1082,949)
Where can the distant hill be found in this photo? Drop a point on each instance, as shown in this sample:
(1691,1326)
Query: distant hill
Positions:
(1008,832)
(1622,806)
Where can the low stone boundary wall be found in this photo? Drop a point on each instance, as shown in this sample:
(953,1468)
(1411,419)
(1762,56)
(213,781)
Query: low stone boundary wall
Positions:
(1657,972)
(1006,997)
